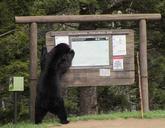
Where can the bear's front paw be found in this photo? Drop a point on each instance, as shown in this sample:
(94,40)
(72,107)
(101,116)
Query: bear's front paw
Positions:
(38,122)
(64,122)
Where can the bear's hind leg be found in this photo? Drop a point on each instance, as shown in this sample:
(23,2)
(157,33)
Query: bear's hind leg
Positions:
(39,115)
(60,111)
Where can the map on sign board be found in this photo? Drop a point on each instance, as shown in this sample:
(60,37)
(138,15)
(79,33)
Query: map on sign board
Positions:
(90,51)
(119,45)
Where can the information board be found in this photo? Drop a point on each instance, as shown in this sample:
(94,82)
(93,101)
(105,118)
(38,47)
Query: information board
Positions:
(102,57)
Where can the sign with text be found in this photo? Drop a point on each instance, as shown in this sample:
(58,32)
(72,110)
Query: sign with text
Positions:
(16,83)
(118,63)
(119,45)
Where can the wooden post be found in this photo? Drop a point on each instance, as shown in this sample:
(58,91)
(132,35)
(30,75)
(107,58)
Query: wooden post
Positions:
(143,63)
(140,86)
(88,95)
(33,68)
(88,100)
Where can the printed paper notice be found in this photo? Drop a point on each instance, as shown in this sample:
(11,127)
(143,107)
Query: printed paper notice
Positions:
(61,39)
(104,72)
(119,45)
(118,63)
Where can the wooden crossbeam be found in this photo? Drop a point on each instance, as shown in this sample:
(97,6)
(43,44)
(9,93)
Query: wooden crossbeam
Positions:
(85,18)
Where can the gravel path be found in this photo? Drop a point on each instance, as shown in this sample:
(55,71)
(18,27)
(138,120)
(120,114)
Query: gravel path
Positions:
(118,123)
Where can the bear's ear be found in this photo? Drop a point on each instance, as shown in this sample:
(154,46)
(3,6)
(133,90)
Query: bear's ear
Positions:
(43,57)
(72,53)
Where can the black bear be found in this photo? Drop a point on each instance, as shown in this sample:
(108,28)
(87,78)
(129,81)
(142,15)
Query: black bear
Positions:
(53,66)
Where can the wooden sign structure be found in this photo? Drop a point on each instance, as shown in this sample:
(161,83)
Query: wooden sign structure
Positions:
(102,57)
(33,20)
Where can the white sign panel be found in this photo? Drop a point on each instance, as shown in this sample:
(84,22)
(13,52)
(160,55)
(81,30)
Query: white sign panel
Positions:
(118,63)
(90,51)
(119,45)
(61,39)
(104,72)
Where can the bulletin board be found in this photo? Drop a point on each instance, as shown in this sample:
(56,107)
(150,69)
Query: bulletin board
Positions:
(102,57)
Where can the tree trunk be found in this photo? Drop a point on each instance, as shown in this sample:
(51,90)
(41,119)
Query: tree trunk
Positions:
(88,100)
(88,95)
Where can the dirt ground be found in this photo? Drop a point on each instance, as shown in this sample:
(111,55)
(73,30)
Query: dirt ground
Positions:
(118,123)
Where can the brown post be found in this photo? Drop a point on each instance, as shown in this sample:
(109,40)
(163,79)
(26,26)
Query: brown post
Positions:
(33,68)
(140,86)
(143,64)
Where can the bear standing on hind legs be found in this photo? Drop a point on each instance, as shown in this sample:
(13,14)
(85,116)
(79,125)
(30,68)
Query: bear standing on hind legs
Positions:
(53,66)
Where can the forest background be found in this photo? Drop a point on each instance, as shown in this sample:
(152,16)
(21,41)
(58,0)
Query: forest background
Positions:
(14,51)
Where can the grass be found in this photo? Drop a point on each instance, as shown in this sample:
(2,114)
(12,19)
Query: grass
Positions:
(110,116)
(28,124)
(123,115)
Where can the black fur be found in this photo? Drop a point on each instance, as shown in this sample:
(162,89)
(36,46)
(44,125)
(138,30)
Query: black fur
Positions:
(53,65)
